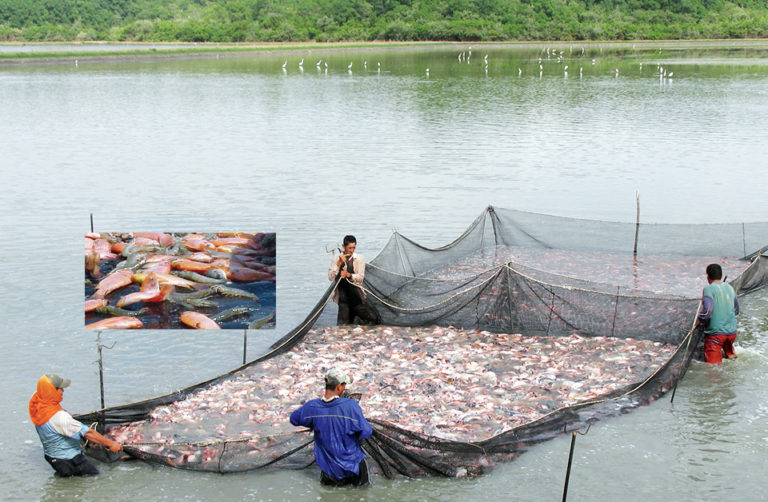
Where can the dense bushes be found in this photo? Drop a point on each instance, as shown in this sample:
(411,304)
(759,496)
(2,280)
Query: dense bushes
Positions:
(337,20)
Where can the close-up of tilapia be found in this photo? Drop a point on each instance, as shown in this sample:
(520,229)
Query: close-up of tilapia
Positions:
(157,280)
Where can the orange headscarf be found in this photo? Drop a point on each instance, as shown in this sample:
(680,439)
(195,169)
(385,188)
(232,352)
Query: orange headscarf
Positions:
(45,402)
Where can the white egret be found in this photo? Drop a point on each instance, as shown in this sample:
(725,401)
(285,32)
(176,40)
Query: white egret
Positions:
(350,66)
(519,71)
(670,74)
(285,64)
(301,63)
(318,63)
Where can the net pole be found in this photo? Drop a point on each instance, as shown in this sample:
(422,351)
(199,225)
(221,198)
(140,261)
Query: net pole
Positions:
(100,347)
(568,470)
(91,222)
(245,344)
(637,220)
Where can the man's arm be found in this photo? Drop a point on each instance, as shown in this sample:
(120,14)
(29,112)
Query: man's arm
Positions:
(706,308)
(299,420)
(95,437)
(359,275)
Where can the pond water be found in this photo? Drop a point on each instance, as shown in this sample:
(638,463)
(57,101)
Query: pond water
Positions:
(238,143)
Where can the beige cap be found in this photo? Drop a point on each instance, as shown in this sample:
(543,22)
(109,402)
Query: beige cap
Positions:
(336,377)
(57,381)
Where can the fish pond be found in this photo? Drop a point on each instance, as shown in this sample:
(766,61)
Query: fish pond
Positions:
(239,142)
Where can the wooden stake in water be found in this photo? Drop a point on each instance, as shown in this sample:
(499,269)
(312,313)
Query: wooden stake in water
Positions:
(570,459)
(245,344)
(99,346)
(637,220)
(91,222)
(568,470)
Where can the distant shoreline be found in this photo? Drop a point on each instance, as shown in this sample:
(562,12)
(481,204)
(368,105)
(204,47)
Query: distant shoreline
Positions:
(177,51)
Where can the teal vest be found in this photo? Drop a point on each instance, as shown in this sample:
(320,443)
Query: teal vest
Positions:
(723,321)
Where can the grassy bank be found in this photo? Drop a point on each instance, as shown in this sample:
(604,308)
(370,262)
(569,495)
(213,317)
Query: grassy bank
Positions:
(216,50)
(368,20)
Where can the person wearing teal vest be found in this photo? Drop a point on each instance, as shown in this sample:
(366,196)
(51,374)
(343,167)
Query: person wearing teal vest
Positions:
(719,308)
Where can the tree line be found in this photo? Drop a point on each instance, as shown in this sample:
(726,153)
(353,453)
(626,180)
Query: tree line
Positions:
(363,20)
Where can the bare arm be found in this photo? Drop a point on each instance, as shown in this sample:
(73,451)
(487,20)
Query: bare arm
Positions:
(95,437)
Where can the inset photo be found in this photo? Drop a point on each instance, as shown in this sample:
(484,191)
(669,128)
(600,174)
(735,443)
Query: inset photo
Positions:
(167,280)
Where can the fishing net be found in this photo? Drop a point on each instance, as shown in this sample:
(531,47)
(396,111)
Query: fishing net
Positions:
(523,328)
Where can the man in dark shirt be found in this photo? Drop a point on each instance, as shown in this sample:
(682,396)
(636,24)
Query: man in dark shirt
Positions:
(339,425)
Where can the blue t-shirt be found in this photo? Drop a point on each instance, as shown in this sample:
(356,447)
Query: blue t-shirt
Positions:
(339,426)
(61,436)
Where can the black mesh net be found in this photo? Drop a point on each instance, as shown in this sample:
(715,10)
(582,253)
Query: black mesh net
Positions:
(524,327)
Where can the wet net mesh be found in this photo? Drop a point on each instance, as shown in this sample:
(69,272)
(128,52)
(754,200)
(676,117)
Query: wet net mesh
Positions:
(524,327)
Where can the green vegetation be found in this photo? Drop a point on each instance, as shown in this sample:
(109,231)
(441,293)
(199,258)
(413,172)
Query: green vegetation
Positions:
(362,20)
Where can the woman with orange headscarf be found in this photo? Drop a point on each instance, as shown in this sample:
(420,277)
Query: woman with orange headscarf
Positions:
(59,432)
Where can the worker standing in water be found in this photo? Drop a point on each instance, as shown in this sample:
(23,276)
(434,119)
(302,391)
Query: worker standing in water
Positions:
(720,306)
(60,433)
(339,425)
(350,295)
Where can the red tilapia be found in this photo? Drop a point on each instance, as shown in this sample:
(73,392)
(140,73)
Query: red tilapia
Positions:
(198,321)
(122,322)
(113,281)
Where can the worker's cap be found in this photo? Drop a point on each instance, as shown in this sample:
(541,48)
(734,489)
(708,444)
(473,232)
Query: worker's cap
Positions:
(337,377)
(57,381)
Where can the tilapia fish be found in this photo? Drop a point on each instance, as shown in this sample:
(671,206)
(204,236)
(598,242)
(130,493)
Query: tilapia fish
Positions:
(161,262)
(451,384)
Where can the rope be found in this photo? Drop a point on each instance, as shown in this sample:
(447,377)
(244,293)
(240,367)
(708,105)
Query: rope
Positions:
(509,264)
(574,288)
(429,307)
(421,278)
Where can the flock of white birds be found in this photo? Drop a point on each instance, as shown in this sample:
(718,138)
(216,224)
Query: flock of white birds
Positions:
(466,56)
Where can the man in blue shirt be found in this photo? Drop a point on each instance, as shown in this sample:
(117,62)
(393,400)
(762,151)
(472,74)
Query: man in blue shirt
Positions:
(718,314)
(339,425)
(59,432)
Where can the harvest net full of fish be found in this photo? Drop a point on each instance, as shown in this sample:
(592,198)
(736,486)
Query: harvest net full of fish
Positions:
(523,327)
(440,382)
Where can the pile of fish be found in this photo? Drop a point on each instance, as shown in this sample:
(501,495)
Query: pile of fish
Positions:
(443,382)
(662,274)
(164,280)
